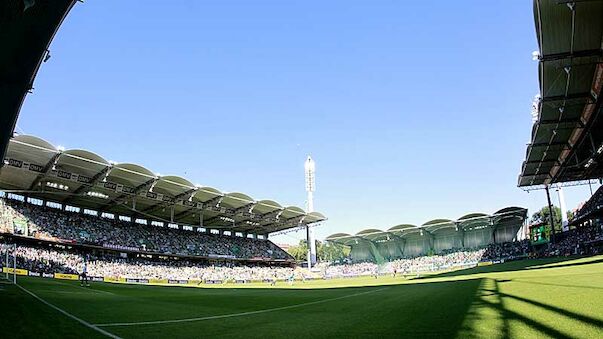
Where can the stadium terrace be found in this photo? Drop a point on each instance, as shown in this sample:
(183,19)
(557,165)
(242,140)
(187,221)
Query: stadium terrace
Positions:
(79,178)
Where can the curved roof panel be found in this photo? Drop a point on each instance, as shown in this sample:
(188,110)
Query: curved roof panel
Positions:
(510,210)
(401,227)
(369,231)
(437,224)
(338,236)
(475,220)
(266,206)
(236,200)
(471,216)
(204,194)
(130,174)
(343,238)
(374,234)
(34,141)
(31,149)
(82,161)
(292,212)
(510,214)
(173,185)
(313,217)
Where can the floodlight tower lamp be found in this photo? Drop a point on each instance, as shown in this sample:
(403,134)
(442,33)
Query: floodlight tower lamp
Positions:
(310,174)
(536,55)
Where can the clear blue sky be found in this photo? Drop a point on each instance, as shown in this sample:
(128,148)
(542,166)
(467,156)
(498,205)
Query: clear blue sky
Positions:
(413,110)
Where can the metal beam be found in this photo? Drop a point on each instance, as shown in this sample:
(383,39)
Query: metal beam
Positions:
(568,123)
(548,144)
(137,190)
(209,205)
(47,168)
(245,212)
(85,187)
(556,162)
(554,98)
(571,55)
(216,218)
(158,205)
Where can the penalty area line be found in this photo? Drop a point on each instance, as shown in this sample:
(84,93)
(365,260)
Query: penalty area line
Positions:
(81,321)
(233,315)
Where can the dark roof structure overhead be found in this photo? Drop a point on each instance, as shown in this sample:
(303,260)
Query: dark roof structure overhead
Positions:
(26,30)
(473,221)
(567,136)
(35,168)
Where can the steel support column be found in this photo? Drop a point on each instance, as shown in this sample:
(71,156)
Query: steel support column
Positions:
(551,217)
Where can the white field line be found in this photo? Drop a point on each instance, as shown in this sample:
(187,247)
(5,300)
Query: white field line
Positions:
(232,315)
(81,321)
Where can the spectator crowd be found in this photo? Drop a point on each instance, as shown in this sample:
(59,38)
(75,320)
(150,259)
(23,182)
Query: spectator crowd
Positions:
(53,260)
(579,241)
(448,259)
(52,224)
(507,250)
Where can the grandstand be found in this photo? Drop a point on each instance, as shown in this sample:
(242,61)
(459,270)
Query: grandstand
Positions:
(80,179)
(473,230)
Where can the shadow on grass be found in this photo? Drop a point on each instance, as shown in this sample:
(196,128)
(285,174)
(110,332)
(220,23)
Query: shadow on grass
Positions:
(519,265)
(489,315)
(557,310)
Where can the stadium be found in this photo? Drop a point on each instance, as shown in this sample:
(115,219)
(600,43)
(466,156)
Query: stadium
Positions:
(91,247)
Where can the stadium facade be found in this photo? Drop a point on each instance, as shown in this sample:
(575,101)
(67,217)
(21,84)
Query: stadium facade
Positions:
(473,230)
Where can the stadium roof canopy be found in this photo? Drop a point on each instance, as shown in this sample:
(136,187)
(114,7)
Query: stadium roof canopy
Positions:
(35,168)
(27,29)
(567,136)
(472,221)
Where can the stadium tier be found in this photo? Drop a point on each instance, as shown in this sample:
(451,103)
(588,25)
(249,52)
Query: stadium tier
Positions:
(47,224)
(592,210)
(471,231)
(81,179)
(567,135)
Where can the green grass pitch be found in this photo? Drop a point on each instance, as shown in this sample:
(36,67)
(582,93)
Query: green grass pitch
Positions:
(560,298)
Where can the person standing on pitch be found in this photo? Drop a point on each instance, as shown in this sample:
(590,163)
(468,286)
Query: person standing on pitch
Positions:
(84,274)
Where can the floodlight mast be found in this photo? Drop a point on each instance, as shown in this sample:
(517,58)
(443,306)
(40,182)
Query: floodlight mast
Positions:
(564,221)
(310,171)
